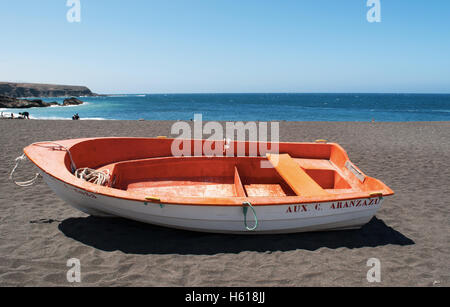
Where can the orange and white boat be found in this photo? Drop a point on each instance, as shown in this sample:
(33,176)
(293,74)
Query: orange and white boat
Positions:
(311,186)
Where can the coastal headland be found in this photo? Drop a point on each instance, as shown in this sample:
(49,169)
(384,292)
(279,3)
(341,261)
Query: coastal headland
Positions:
(12,95)
(15,103)
(27,90)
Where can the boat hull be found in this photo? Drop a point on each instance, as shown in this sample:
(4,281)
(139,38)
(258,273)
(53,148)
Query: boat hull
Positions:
(272,219)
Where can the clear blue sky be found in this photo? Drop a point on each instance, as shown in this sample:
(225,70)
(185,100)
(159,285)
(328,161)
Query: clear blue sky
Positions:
(183,46)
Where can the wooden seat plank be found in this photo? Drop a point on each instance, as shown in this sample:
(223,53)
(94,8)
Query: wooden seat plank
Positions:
(299,181)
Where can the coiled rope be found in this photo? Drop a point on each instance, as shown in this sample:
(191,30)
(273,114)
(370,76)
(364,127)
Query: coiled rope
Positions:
(93,176)
(245,209)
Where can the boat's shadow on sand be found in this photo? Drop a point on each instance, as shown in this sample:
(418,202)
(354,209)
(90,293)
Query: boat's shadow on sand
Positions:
(116,234)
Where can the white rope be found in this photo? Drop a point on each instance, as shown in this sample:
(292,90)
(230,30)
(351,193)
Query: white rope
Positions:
(23,184)
(37,176)
(90,175)
(28,183)
(93,176)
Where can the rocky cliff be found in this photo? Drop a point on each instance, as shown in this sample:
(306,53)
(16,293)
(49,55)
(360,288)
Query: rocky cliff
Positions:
(24,90)
(14,103)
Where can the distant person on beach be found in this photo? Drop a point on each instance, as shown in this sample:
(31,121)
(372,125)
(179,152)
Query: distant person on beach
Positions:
(76,117)
(25,115)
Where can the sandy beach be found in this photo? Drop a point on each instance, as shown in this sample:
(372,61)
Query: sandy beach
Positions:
(410,235)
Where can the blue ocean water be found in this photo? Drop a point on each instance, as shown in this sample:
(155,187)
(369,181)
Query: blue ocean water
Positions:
(256,107)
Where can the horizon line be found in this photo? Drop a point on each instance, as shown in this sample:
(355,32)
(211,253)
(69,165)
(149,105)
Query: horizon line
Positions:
(265,93)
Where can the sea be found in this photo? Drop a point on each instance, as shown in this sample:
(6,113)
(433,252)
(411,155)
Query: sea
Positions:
(253,107)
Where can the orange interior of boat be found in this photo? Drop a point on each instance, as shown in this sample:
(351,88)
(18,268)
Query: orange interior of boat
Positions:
(141,167)
(225,177)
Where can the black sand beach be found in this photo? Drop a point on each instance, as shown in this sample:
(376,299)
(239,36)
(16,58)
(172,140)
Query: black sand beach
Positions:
(410,235)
